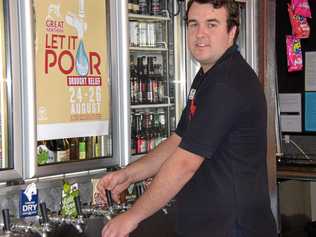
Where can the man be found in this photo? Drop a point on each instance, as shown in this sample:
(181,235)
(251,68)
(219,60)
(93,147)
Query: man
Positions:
(216,161)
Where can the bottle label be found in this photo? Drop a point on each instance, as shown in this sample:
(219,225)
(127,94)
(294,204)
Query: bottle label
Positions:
(142,6)
(62,155)
(51,156)
(155,8)
(150,144)
(42,154)
(97,150)
(130,7)
(143,145)
(135,8)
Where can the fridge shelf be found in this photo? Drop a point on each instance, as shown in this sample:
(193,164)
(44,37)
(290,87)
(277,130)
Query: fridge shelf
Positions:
(145,106)
(147,18)
(148,49)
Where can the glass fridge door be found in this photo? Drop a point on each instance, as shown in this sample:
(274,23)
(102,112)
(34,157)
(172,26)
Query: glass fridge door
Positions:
(67,56)
(154,83)
(10,126)
(248,36)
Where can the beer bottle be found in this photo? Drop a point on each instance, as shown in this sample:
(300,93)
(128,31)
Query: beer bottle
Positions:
(42,153)
(160,89)
(140,135)
(133,82)
(141,82)
(142,33)
(130,6)
(151,34)
(155,90)
(162,124)
(62,150)
(108,145)
(142,142)
(89,147)
(51,146)
(155,7)
(149,90)
(143,7)
(97,147)
(137,133)
(150,142)
(74,148)
(135,6)
(82,148)
(156,126)
(133,33)
(133,133)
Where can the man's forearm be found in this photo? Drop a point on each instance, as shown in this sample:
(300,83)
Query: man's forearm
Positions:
(173,175)
(149,164)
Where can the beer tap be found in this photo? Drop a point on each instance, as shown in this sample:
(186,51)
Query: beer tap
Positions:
(6,221)
(80,220)
(18,228)
(46,227)
(139,188)
(109,200)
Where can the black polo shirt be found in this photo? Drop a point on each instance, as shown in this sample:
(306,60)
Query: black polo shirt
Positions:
(225,123)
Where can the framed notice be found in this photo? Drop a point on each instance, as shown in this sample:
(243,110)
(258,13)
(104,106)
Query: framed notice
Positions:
(291,112)
(72,75)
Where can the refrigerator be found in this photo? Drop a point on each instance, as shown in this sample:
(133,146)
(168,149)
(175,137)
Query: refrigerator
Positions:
(156,88)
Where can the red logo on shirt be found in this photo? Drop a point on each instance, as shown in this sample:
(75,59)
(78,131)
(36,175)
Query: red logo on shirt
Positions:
(192,109)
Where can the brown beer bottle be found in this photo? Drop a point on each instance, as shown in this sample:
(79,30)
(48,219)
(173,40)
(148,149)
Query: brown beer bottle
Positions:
(74,148)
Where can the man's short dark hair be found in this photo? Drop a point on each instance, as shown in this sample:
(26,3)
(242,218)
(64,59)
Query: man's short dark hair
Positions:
(232,12)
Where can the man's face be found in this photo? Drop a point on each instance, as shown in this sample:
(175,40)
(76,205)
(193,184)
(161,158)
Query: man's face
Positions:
(208,37)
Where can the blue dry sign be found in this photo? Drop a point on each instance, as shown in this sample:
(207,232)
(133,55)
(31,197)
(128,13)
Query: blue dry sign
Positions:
(28,204)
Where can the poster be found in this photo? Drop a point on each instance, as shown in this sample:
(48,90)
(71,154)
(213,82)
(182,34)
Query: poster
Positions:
(72,75)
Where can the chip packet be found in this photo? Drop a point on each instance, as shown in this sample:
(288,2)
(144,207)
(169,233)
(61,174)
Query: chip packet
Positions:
(301,7)
(300,27)
(294,54)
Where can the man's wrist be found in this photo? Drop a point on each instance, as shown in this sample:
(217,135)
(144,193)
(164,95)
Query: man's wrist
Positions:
(128,174)
(136,215)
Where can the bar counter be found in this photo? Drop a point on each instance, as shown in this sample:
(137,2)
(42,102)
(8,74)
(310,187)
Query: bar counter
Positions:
(298,172)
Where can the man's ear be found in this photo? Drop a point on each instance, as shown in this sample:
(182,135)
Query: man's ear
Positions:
(232,34)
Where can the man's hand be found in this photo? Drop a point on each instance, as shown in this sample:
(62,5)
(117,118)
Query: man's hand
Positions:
(120,226)
(116,182)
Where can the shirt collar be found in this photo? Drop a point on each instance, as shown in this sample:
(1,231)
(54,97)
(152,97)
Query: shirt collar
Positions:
(223,58)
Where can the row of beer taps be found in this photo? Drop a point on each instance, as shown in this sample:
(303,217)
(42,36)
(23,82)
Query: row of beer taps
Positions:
(47,223)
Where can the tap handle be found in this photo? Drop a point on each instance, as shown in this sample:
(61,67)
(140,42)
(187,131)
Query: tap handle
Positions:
(43,211)
(109,197)
(6,220)
(78,205)
(139,189)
